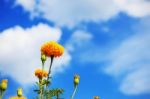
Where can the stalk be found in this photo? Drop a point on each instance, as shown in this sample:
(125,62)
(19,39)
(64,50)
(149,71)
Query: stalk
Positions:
(2,94)
(40,81)
(75,89)
(49,72)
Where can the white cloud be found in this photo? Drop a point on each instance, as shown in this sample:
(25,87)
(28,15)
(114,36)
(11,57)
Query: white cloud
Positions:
(130,61)
(135,8)
(72,12)
(27,4)
(131,52)
(78,39)
(137,82)
(20,51)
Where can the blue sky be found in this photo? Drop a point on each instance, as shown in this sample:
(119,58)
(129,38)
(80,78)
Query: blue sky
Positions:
(106,42)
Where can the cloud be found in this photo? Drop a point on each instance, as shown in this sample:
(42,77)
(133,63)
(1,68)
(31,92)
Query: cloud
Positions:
(130,61)
(137,82)
(28,5)
(135,8)
(20,51)
(78,39)
(72,12)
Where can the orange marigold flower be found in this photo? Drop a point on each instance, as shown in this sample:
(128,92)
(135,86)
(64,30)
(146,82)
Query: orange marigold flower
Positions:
(52,49)
(41,73)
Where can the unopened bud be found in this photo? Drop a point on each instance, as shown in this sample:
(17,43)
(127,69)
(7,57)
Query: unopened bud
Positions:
(3,85)
(19,92)
(76,80)
(43,58)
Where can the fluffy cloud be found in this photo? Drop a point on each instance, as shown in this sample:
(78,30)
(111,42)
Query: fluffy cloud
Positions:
(20,51)
(78,39)
(130,61)
(135,8)
(137,82)
(72,12)
(28,5)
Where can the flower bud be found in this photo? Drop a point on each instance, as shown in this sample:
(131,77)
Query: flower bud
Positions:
(3,85)
(19,92)
(96,97)
(43,58)
(76,80)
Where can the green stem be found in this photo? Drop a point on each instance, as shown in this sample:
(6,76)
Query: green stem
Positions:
(40,87)
(57,96)
(40,81)
(75,89)
(2,94)
(49,72)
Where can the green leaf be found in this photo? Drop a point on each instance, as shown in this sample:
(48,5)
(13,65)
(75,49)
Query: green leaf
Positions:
(54,93)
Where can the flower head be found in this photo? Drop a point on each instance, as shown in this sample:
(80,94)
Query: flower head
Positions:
(96,97)
(52,49)
(3,85)
(41,73)
(76,80)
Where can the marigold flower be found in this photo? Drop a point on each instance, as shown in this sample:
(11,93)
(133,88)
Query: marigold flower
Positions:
(96,97)
(76,80)
(3,85)
(52,49)
(41,73)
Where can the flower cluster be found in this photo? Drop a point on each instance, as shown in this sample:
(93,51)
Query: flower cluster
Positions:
(48,50)
(41,73)
(52,49)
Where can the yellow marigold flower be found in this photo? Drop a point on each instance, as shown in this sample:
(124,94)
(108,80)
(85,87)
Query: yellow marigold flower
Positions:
(52,49)
(76,80)
(41,73)
(96,97)
(3,85)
